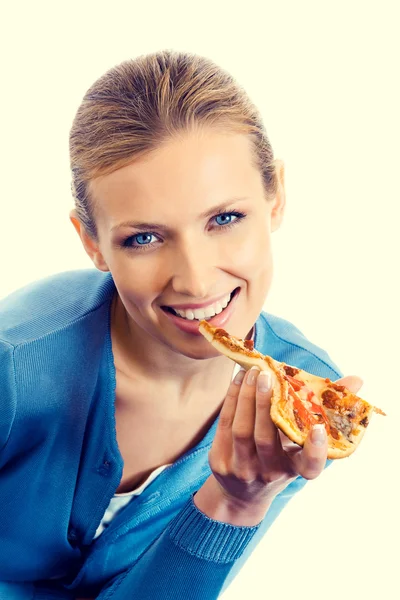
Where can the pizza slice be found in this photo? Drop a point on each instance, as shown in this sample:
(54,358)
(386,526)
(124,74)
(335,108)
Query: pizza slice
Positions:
(301,400)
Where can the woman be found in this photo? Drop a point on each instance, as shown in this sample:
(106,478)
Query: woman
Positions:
(136,461)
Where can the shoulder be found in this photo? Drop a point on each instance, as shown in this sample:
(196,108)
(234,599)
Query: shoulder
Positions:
(52,303)
(282,340)
(52,335)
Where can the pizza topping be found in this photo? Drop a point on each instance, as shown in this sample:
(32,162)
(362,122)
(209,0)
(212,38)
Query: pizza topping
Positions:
(219,332)
(307,416)
(295,383)
(342,422)
(307,411)
(232,344)
(337,387)
(299,422)
(341,411)
(302,416)
(329,399)
(291,371)
(364,422)
(317,410)
(334,433)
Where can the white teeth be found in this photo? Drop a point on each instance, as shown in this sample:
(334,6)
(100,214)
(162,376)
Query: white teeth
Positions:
(218,308)
(198,313)
(189,314)
(206,313)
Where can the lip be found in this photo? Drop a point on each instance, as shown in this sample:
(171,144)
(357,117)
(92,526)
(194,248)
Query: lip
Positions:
(194,306)
(192,327)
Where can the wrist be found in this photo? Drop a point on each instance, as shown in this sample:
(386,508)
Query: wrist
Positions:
(215,504)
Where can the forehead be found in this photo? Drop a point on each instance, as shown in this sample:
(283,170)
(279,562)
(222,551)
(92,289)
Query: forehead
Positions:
(191,172)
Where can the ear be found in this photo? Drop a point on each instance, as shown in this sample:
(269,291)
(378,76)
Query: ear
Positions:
(91,246)
(278,209)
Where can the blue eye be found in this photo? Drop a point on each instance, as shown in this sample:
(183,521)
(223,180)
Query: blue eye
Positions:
(224,215)
(142,235)
(135,242)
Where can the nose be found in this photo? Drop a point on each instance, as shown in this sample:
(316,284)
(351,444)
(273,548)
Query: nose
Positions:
(193,271)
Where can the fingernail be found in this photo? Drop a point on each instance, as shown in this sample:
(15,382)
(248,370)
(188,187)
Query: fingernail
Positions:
(318,435)
(252,375)
(239,377)
(264,381)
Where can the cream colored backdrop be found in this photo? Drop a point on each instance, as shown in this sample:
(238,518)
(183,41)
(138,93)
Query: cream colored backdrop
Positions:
(325,76)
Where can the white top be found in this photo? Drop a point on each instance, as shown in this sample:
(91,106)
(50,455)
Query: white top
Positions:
(118,501)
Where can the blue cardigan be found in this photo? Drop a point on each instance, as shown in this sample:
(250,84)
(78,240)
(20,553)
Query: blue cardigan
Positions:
(60,464)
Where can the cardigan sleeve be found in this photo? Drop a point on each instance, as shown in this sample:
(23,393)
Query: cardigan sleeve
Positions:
(191,559)
(195,557)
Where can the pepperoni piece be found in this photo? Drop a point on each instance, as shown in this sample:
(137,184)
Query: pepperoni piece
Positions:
(337,387)
(219,333)
(334,433)
(329,398)
(291,371)
(248,344)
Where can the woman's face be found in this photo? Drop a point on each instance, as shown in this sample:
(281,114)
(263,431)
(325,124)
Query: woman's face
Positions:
(189,258)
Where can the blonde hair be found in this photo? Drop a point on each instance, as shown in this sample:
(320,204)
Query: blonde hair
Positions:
(139,104)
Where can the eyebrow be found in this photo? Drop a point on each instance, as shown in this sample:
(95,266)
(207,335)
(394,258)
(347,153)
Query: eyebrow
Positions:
(160,227)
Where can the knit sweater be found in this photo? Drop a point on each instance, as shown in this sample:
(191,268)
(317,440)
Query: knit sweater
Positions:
(60,464)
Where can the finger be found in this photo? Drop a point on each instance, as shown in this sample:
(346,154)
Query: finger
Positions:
(352,382)
(311,460)
(265,432)
(222,443)
(244,421)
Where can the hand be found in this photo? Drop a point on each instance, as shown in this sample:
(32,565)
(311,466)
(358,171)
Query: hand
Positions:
(252,460)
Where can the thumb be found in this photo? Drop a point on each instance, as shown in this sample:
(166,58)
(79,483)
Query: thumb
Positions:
(352,382)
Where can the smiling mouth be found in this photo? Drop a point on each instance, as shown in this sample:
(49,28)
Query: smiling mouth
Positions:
(173,312)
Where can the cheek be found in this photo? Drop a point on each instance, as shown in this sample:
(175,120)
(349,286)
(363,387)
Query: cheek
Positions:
(254,264)
(139,282)
(132,280)
(254,254)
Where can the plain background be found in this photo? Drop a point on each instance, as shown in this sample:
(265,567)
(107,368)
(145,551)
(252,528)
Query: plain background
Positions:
(325,76)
